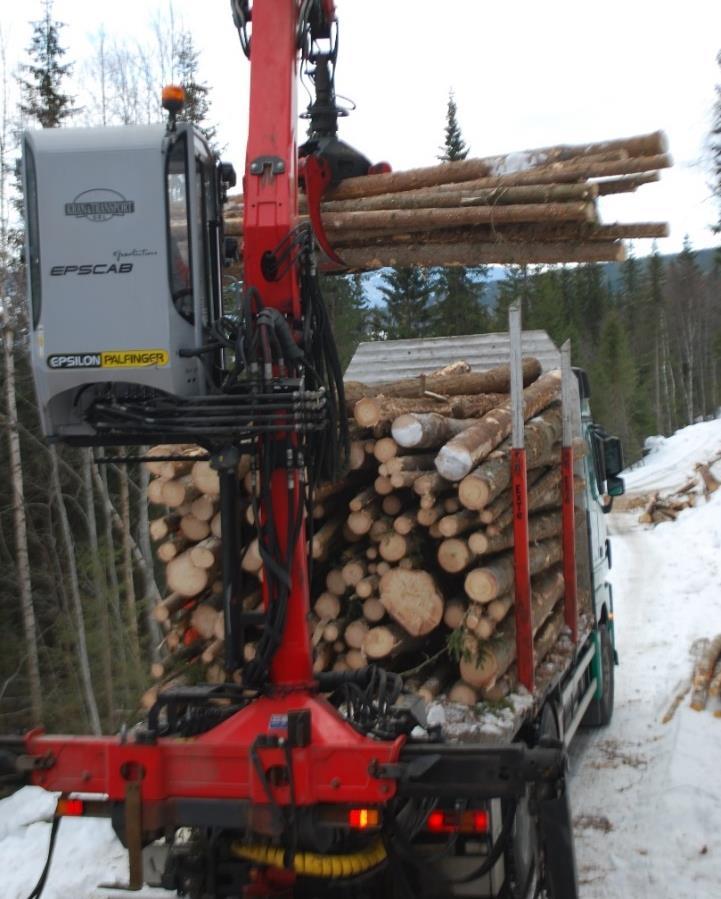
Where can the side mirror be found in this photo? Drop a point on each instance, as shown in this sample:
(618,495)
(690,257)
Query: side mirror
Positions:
(615,486)
(226,172)
(231,250)
(612,459)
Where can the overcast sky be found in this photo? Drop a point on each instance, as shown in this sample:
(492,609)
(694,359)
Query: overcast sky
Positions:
(525,74)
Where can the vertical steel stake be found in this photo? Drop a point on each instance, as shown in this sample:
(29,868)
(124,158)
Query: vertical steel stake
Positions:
(519,486)
(568,512)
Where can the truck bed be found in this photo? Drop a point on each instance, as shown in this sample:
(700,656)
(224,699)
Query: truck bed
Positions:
(496,723)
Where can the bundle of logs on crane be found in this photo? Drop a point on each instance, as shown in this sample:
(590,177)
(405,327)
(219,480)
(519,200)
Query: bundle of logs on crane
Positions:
(538,206)
(412,551)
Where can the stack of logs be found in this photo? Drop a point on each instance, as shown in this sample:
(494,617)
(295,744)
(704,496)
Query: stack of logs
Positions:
(658,509)
(538,206)
(412,559)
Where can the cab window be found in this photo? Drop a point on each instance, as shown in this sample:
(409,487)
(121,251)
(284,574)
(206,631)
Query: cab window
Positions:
(178,223)
(31,194)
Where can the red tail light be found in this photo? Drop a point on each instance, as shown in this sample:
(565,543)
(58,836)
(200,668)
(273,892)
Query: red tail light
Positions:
(447,821)
(70,808)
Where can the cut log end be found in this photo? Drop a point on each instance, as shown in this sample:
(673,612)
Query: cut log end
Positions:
(407,430)
(453,463)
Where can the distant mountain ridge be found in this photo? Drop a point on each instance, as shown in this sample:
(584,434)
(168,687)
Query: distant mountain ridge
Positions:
(497,274)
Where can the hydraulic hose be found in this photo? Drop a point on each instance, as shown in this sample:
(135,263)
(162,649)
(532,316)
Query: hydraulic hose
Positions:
(312,864)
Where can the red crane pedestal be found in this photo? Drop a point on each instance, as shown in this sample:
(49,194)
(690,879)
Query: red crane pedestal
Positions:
(270,189)
(233,759)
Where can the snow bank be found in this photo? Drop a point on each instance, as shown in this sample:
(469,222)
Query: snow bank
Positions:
(87,853)
(646,795)
(671,459)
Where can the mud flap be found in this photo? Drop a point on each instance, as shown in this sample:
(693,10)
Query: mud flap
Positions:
(557,840)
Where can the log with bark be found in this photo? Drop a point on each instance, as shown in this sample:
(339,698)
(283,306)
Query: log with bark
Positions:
(495,380)
(482,485)
(704,673)
(497,577)
(482,663)
(658,509)
(711,483)
(471,446)
(542,210)
(371,410)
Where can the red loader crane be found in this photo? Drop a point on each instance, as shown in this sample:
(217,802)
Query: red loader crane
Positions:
(289,783)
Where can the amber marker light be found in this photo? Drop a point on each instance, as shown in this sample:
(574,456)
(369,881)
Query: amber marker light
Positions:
(173,97)
(363,818)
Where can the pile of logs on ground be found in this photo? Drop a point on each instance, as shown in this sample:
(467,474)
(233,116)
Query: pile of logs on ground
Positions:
(412,552)
(707,675)
(658,508)
(704,684)
(538,206)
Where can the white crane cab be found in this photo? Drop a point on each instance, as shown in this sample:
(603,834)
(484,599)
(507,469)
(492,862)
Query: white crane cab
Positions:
(124,251)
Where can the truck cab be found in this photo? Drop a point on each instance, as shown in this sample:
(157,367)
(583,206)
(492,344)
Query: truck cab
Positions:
(602,463)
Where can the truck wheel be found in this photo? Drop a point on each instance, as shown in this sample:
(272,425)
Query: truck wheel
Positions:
(600,712)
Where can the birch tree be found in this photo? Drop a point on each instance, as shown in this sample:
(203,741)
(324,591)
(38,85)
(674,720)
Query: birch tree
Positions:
(128,580)
(22,556)
(72,570)
(99,584)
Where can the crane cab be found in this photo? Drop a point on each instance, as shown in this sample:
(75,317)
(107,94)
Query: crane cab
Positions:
(124,237)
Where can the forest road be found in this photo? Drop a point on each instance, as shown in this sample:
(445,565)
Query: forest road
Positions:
(646,796)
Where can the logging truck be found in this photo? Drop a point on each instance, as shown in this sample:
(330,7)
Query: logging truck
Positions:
(387,609)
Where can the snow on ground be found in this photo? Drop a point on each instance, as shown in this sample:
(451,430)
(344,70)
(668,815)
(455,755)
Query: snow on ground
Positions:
(87,852)
(671,459)
(646,795)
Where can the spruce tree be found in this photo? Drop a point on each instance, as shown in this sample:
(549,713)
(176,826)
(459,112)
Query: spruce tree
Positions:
(688,309)
(615,401)
(653,284)
(42,94)
(546,304)
(197,103)
(348,311)
(591,299)
(407,311)
(631,282)
(454,147)
(458,308)
(631,301)
(514,287)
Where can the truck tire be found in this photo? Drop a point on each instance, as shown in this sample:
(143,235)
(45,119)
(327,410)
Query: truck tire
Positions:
(523,859)
(600,711)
